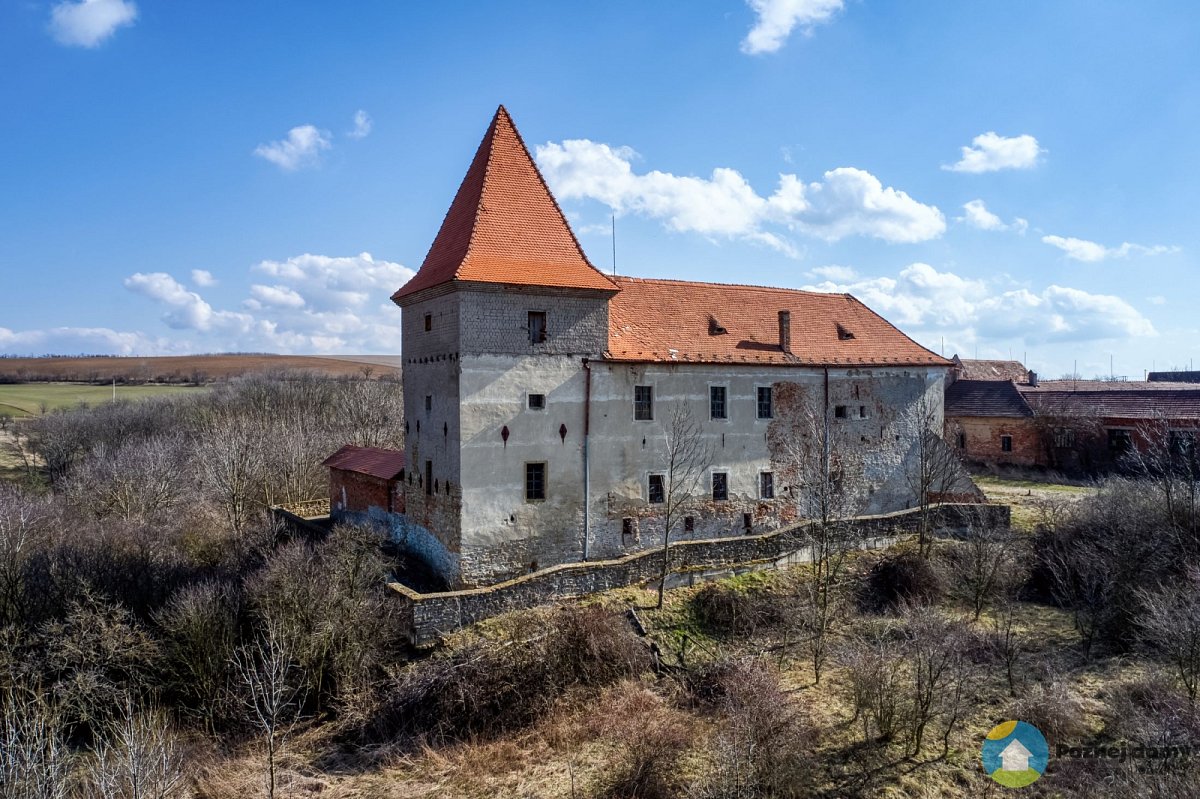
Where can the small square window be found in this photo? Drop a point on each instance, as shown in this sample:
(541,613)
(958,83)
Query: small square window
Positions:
(643,403)
(537,327)
(428,322)
(1181,442)
(1006,443)
(689,524)
(1064,437)
(765,411)
(535,482)
(626,527)
(656,490)
(537,402)
(766,485)
(1119,441)
(716,402)
(720,486)
(841,412)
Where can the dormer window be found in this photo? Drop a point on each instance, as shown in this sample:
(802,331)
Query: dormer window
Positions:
(715,328)
(537,327)
(844,334)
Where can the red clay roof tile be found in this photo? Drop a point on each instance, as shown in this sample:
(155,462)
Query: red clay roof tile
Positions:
(679,321)
(386,464)
(504,226)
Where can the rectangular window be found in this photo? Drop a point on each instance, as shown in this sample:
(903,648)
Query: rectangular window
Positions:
(764,402)
(537,327)
(720,486)
(962,440)
(1119,441)
(643,403)
(535,482)
(657,491)
(1006,443)
(862,411)
(716,402)
(1064,437)
(689,524)
(428,404)
(429,477)
(841,412)
(626,527)
(537,402)
(428,322)
(766,485)
(1182,442)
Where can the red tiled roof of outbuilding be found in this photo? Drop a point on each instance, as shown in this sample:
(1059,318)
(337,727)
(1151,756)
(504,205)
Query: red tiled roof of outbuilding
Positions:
(386,464)
(504,226)
(680,321)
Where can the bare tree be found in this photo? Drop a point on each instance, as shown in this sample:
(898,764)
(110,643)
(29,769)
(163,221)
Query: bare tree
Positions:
(229,451)
(1171,622)
(1006,638)
(271,683)
(35,762)
(933,467)
(985,563)
(820,476)
(685,458)
(24,528)
(138,757)
(1166,458)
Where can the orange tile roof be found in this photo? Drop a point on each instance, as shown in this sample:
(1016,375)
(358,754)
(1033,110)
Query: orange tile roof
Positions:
(678,321)
(504,226)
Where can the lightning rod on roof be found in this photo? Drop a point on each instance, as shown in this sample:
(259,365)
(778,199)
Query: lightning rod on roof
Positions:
(614,239)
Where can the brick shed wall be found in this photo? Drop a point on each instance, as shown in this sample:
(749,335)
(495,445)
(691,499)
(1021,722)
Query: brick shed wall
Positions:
(983,439)
(350,491)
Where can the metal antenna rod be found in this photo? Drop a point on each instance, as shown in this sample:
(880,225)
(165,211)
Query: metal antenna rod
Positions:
(614,240)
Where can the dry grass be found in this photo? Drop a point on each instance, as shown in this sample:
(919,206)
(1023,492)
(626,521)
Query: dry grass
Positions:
(176,368)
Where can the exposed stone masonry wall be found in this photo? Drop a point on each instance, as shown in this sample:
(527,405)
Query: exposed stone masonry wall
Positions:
(429,616)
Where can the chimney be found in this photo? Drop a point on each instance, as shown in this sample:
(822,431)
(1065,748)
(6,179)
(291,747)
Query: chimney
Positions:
(1033,378)
(785,331)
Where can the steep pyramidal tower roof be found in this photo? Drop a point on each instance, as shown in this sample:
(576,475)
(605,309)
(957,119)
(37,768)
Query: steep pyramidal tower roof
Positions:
(504,226)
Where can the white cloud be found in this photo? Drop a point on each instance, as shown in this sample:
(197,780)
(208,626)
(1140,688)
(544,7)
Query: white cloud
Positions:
(203,278)
(847,202)
(87,23)
(927,304)
(977,215)
(1157,299)
(835,272)
(79,341)
(362,125)
(990,152)
(301,148)
(776,19)
(1091,252)
(316,304)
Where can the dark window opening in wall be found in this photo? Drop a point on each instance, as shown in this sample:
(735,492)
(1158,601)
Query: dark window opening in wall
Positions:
(626,527)
(764,402)
(1006,443)
(962,440)
(428,403)
(657,491)
(533,566)
(537,327)
(1064,437)
(720,486)
(716,402)
(841,412)
(862,411)
(643,403)
(747,522)
(1181,442)
(429,477)
(1119,441)
(535,482)
(428,322)
(766,485)
(537,402)
(689,524)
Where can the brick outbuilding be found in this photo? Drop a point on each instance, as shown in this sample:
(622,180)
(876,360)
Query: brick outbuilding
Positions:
(361,478)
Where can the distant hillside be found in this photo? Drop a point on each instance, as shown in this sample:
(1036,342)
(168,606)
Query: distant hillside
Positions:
(184,368)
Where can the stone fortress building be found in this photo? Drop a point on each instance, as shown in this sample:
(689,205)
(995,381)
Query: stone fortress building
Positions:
(538,389)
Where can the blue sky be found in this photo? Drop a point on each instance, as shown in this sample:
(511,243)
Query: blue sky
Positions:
(993,177)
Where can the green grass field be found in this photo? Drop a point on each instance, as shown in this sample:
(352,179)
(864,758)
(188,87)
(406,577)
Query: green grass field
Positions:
(27,399)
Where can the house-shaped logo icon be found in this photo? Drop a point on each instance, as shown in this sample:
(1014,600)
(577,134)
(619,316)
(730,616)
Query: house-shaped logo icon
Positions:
(1015,757)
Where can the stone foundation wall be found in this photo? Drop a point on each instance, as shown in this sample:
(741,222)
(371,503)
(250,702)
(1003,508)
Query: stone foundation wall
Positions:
(429,616)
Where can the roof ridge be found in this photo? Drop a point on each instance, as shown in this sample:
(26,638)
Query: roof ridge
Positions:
(732,285)
(541,179)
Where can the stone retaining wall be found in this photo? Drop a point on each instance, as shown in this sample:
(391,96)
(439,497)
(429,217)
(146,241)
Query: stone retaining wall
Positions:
(429,616)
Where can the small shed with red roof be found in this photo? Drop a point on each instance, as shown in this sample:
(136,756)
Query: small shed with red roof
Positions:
(361,478)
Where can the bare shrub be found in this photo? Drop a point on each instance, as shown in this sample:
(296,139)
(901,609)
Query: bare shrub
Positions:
(35,762)
(648,738)
(1053,708)
(1150,710)
(726,609)
(763,746)
(137,479)
(1171,623)
(876,672)
(139,756)
(200,630)
(900,579)
(984,565)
